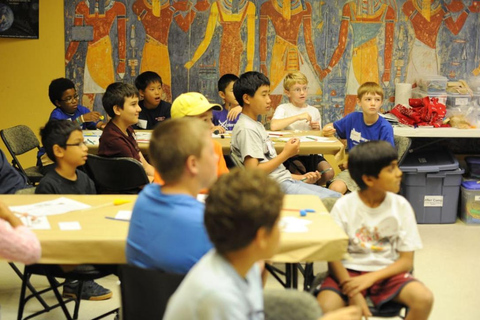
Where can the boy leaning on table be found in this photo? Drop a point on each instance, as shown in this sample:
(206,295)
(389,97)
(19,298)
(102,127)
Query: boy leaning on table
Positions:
(120,101)
(383,237)
(298,115)
(64,145)
(167,230)
(64,97)
(251,144)
(358,127)
(196,105)
(242,220)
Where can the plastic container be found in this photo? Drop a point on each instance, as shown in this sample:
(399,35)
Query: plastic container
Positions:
(470,209)
(458,100)
(431,184)
(474,84)
(433,84)
(473,164)
(441,96)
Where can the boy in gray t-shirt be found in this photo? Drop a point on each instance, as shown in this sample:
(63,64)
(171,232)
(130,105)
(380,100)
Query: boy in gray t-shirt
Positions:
(251,144)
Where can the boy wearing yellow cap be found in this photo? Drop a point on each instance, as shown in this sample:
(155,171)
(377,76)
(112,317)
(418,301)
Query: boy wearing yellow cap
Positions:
(195,104)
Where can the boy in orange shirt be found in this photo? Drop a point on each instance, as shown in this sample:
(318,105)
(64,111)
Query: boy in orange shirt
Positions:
(194,104)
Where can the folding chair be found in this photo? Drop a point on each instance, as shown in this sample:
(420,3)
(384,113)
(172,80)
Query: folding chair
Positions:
(145,292)
(116,175)
(403,145)
(19,140)
(52,271)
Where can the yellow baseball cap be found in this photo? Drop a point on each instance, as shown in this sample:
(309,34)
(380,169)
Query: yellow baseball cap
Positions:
(192,104)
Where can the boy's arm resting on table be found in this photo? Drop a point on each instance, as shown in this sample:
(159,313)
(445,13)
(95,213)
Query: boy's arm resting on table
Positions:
(234,112)
(280,124)
(292,147)
(18,243)
(355,285)
(328,130)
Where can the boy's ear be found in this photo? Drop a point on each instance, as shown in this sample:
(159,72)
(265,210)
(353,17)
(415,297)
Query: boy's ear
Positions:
(141,94)
(116,110)
(58,151)
(191,165)
(222,95)
(368,180)
(57,103)
(261,238)
(246,99)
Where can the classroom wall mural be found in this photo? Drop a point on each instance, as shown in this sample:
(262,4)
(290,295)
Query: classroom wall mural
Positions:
(337,44)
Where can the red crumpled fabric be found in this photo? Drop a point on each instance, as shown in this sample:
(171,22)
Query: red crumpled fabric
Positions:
(423,112)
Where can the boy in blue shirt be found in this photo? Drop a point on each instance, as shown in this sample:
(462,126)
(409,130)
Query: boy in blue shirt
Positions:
(359,127)
(166,230)
(64,97)
(225,119)
(154,110)
(251,144)
(383,237)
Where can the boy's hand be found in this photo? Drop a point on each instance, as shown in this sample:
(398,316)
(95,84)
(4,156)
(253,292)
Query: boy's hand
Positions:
(234,112)
(8,216)
(328,131)
(292,147)
(93,116)
(347,313)
(355,285)
(304,116)
(359,301)
(315,125)
(220,129)
(311,177)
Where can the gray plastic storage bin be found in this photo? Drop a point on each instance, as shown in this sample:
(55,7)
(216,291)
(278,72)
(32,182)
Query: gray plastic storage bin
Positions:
(431,184)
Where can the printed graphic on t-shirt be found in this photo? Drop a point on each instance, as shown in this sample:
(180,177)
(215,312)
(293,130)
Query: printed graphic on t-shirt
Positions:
(376,238)
(356,137)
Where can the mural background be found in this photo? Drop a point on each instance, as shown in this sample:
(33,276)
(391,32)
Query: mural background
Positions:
(332,42)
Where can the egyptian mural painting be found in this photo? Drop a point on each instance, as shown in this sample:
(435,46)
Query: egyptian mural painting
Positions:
(337,44)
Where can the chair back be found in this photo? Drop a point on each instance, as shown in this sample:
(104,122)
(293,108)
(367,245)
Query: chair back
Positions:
(19,140)
(403,146)
(145,292)
(236,160)
(116,175)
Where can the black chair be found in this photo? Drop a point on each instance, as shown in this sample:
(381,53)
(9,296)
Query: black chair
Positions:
(403,145)
(19,140)
(145,292)
(52,271)
(116,175)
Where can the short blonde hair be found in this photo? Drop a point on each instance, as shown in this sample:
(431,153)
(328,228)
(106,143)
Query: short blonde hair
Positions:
(369,87)
(173,141)
(292,78)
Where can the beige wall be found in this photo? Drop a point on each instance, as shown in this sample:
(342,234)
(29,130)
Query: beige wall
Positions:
(27,67)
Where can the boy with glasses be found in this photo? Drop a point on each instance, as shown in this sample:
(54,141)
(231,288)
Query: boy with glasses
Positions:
(63,142)
(64,97)
(298,115)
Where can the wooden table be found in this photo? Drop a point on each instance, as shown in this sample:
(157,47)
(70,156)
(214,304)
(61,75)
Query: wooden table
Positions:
(333,147)
(102,241)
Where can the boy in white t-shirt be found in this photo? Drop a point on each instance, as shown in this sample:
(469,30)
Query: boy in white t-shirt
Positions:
(298,115)
(383,237)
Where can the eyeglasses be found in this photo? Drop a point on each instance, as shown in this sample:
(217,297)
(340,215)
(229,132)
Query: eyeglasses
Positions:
(298,90)
(70,99)
(81,143)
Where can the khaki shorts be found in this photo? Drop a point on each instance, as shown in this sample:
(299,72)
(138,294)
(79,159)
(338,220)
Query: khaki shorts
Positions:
(347,179)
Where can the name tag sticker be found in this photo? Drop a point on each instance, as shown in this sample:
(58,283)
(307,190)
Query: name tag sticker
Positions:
(433,201)
(477,198)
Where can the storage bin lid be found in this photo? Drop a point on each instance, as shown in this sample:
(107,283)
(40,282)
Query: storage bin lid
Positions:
(471,185)
(429,161)
(472,160)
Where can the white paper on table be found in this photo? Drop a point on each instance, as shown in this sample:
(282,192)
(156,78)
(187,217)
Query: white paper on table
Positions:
(143,136)
(39,223)
(51,207)
(294,225)
(123,215)
(309,139)
(72,225)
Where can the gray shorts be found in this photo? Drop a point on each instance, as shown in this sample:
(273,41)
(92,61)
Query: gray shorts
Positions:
(347,179)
